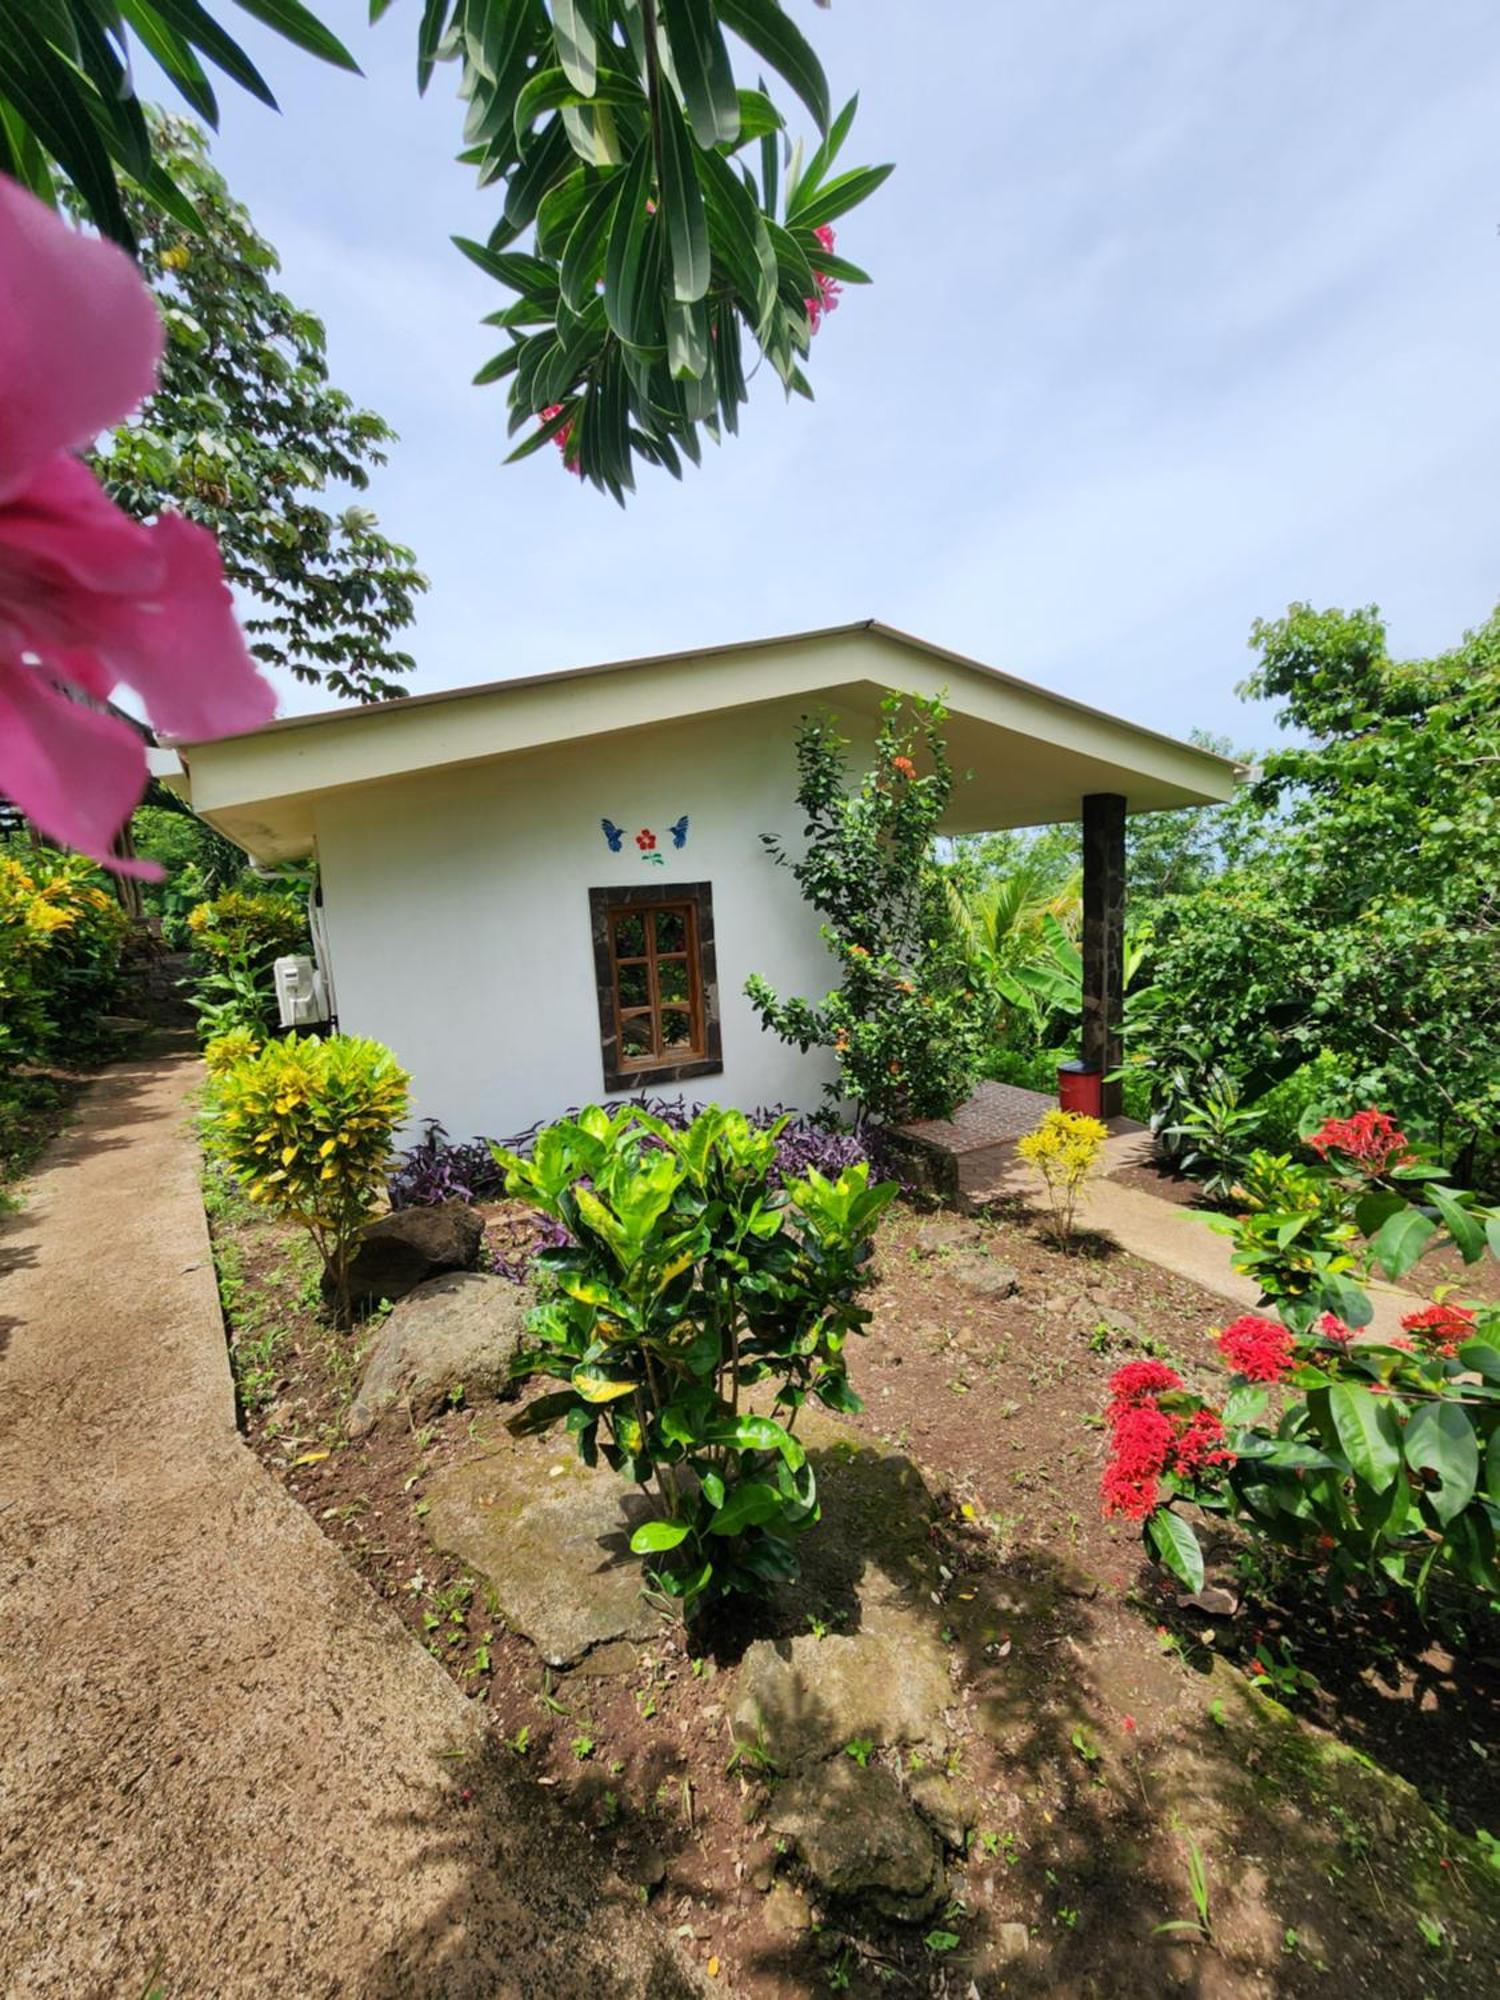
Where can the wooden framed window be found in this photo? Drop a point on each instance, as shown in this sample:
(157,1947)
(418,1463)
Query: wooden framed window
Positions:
(657,982)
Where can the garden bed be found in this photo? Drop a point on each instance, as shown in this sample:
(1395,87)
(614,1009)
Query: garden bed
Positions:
(1097,1733)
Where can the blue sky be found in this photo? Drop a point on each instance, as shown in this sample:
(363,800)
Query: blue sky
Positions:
(1181,312)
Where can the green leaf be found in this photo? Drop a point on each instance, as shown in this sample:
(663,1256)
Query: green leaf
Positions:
(629,294)
(583,257)
(175,56)
(1400,1241)
(1367,1432)
(653,1536)
(596,1385)
(291,20)
(54,101)
(751,1433)
(1244,1405)
(1342,1297)
(510,267)
(767,30)
(1466,1230)
(703,70)
(576,35)
(1440,1439)
(682,200)
(840,195)
(197,26)
(1177,1546)
(748,1505)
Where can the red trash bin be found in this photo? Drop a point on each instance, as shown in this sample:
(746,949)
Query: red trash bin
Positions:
(1080,1087)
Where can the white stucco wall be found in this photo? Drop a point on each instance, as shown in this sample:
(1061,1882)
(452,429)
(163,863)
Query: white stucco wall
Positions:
(458,916)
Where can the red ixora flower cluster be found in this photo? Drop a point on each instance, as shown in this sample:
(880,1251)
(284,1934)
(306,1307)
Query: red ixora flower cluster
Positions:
(1333,1328)
(560,437)
(1443,1328)
(1371,1140)
(903,767)
(1145,1441)
(1259,1349)
(828,288)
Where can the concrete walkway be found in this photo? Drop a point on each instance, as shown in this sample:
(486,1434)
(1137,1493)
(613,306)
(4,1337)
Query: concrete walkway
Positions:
(225,1768)
(1162,1232)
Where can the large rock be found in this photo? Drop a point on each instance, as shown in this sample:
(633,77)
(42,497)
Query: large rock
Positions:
(983,1275)
(552,1538)
(858,1837)
(399,1251)
(803,1699)
(456,1332)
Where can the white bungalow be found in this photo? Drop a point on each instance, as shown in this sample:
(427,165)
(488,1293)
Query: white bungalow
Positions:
(545,891)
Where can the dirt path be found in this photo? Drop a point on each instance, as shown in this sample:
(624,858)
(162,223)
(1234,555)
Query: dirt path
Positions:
(225,1768)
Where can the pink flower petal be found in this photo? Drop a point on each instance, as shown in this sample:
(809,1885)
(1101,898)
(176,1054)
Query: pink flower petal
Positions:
(62,539)
(72,770)
(180,648)
(79,334)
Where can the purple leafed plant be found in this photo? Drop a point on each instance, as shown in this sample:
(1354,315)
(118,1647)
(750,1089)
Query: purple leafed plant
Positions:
(436,1170)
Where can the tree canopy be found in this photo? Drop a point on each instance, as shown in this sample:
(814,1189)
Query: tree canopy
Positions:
(245,433)
(660,262)
(1363,923)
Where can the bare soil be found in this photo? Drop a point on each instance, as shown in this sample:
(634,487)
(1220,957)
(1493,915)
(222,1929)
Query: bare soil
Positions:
(1108,1733)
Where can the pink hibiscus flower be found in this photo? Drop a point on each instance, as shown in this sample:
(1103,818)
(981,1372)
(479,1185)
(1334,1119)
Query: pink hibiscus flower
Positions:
(90,599)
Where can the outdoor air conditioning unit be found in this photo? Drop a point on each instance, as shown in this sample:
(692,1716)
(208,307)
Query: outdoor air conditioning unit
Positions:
(300,996)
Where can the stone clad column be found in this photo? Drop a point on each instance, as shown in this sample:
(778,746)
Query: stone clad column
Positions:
(1104,936)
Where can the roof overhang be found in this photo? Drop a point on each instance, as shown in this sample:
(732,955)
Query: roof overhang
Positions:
(1033,755)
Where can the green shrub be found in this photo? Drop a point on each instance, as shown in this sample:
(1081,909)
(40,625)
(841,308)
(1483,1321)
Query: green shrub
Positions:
(62,933)
(1064,1148)
(690,1283)
(1382,1462)
(225,1052)
(306,1127)
(909,1021)
(236,939)
(1299,1102)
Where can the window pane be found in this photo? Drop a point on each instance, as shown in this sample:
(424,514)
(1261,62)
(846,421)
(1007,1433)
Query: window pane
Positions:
(635,1036)
(630,936)
(635,986)
(676,1030)
(672,978)
(671,930)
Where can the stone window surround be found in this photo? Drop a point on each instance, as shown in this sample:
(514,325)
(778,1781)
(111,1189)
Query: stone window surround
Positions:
(648,896)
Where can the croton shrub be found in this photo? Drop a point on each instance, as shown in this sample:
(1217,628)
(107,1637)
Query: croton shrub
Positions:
(1375,1459)
(305,1125)
(695,1308)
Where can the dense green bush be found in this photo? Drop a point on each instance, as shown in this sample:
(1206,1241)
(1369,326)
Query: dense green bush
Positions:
(1359,926)
(306,1126)
(62,934)
(692,1285)
(909,1020)
(197,864)
(236,939)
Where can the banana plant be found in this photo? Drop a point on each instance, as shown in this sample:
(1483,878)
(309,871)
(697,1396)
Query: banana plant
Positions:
(1052,982)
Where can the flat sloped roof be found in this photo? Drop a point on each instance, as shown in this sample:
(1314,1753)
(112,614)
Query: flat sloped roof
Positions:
(1033,754)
